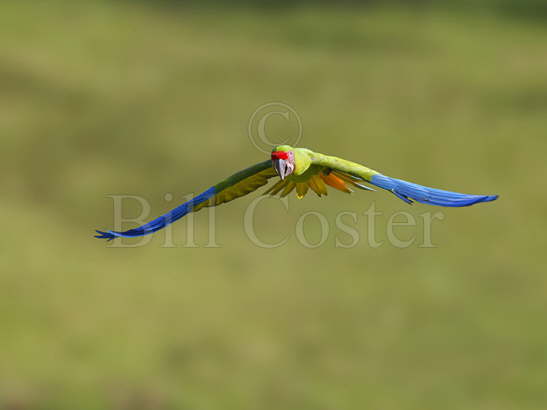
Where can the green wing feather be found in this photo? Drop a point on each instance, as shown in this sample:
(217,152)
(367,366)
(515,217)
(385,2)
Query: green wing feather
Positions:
(342,165)
(233,187)
(240,184)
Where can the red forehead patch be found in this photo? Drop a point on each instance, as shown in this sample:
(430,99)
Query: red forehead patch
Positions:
(280,155)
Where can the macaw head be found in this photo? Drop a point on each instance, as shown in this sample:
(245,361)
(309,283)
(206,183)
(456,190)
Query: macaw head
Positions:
(283,160)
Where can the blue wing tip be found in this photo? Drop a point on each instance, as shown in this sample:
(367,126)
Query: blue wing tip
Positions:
(109,235)
(408,191)
(484,198)
(490,198)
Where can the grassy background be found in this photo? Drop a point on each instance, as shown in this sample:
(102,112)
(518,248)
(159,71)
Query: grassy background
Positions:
(102,98)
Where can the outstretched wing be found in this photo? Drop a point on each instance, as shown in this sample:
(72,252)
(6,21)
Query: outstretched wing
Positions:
(233,187)
(407,191)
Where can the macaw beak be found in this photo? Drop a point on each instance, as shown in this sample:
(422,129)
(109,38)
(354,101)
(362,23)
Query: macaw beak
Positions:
(281,167)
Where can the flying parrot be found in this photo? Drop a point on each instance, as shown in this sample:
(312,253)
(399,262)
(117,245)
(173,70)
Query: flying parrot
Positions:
(301,169)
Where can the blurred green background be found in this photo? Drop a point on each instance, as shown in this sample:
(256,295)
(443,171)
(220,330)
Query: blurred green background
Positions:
(144,98)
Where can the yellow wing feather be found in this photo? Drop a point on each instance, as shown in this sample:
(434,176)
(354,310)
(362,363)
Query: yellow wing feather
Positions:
(237,186)
(288,189)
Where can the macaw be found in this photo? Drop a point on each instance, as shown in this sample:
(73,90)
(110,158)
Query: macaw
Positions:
(301,169)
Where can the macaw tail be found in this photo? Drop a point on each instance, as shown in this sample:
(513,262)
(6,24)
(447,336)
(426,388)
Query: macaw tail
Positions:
(408,191)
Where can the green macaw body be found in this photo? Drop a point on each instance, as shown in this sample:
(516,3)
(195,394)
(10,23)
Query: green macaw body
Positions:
(302,169)
(315,170)
(309,163)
